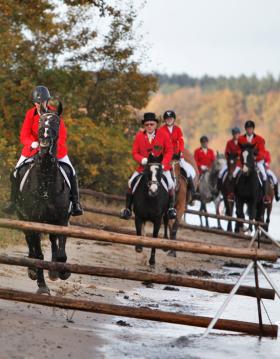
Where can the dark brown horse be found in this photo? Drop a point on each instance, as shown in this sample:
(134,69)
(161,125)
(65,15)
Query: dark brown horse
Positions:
(227,187)
(183,196)
(269,204)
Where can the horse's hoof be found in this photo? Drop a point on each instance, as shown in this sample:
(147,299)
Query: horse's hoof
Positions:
(139,248)
(64,275)
(53,275)
(152,262)
(43,290)
(172,253)
(32,273)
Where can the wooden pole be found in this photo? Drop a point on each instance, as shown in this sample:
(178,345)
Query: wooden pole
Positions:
(190,211)
(114,213)
(183,281)
(140,313)
(95,234)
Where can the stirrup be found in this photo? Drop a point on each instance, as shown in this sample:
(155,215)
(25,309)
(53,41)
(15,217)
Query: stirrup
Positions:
(171,213)
(125,213)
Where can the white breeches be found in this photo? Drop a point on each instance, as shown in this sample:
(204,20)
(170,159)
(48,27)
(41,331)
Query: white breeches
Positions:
(236,171)
(187,168)
(260,165)
(222,171)
(167,174)
(273,176)
(64,159)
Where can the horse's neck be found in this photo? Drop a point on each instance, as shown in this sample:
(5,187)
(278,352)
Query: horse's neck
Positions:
(46,166)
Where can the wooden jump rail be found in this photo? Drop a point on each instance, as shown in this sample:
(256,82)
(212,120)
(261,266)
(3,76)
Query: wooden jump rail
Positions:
(117,198)
(183,281)
(116,214)
(140,313)
(100,235)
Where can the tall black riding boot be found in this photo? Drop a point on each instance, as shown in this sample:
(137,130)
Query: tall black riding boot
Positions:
(191,186)
(126,212)
(171,212)
(276,193)
(10,208)
(77,209)
(219,184)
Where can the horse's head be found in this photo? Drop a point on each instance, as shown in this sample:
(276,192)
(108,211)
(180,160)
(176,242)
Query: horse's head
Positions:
(231,161)
(153,172)
(248,157)
(218,163)
(48,130)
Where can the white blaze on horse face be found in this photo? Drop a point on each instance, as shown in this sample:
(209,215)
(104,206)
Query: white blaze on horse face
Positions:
(154,186)
(245,155)
(46,132)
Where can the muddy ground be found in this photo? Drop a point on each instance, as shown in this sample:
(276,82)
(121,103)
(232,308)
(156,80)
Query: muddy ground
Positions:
(32,331)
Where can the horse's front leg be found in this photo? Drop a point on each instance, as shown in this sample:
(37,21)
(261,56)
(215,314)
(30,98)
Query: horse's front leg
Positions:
(157,224)
(173,233)
(43,288)
(138,226)
(229,207)
(165,222)
(239,214)
(31,271)
(53,275)
(217,205)
(62,257)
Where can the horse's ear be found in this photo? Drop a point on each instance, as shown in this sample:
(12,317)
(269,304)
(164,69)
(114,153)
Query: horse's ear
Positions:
(150,157)
(59,108)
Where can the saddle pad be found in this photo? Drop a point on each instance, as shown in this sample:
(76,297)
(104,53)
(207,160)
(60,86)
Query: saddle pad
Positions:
(22,182)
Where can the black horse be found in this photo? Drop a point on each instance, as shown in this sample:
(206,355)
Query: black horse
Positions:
(248,188)
(150,200)
(45,196)
(227,187)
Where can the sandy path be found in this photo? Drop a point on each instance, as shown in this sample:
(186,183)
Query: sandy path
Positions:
(31,331)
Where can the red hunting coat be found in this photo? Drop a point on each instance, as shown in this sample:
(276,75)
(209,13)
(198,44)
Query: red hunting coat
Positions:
(161,144)
(29,134)
(259,143)
(231,147)
(267,159)
(176,137)
(202,158)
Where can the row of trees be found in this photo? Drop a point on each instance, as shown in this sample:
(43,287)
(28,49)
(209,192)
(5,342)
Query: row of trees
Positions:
(245,84)
(85,53)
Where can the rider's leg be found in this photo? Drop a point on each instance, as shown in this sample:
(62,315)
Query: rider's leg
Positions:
(190,174)
(127,211)
(11,205)
(275,183)
(261,168)
(220,177)
(171,213)
(77,209)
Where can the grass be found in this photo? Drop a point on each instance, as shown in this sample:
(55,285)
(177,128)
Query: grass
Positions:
(9,237)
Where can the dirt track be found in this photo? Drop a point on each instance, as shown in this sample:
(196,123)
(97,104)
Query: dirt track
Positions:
(30,331)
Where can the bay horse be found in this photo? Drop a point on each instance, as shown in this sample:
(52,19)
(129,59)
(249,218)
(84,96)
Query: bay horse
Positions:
(183,196)
(207,188)
(150,200)
(269,204)
(227,187)
(248,189)
(45,196)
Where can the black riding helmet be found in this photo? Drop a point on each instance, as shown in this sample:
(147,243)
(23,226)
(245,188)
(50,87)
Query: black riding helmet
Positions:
(204,139)
(40,94)
(235,131)
(168,114)
(249,124)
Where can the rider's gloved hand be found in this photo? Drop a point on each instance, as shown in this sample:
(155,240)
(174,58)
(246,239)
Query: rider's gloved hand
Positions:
(144,161)
(204,168)
(34,145)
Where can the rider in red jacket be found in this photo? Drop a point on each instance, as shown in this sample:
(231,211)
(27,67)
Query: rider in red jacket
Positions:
(232,147)
(156,142)
(175,134)
(29,139)
(204,156)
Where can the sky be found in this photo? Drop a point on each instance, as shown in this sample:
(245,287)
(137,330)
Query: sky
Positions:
(214,37)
